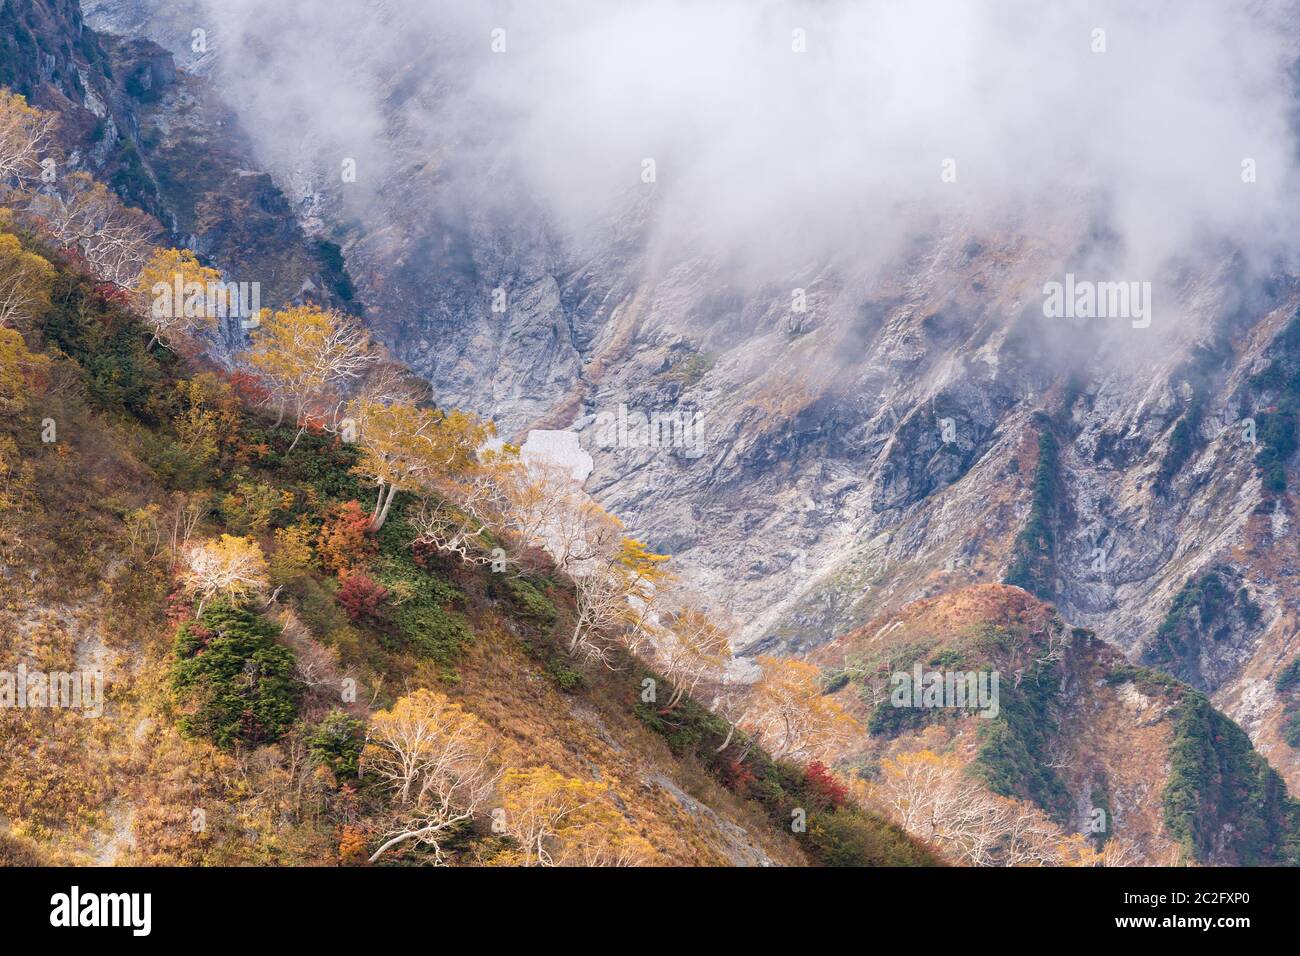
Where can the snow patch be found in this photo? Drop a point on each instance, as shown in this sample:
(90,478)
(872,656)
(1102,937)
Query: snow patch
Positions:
(557,448)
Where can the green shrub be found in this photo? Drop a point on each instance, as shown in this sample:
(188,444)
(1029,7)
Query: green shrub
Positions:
(1205,609)
(1291,729)
(111,346)
(1276,430)
(1148,681)
(844,837)
(1033,563)
(1223,802)
(886,720)
(319,460)
(1289,677)
(419,617)
(850,837)
(336,275)
(233,680)
(530,600)
(565,677)
(430,630)
(337,742)
(317,605)
(836,681)
(1012,759)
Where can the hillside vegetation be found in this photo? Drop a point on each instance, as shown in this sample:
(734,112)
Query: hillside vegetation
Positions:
(1083,744)
(335,623)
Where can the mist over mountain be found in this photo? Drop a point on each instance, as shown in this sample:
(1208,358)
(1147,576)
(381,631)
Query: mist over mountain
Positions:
(883,341)
(851,219)
(786,136)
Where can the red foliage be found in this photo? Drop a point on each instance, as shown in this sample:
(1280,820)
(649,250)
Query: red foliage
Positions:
(74,257)
(248,388)
(823,787)
(736,776)
(362,598)
(180,607)
(345,539)
(314,422)
(112,293)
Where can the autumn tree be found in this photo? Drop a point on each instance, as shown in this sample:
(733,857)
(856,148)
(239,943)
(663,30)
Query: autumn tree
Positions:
(932,797)
(23,373)
(23,376)
(182,521)
(790,716)
(171,294)
(293,553)
(691,647)
(84,217)
(538,500)
(467,512)
(388,382)
(362,598)
(615,577)
(345,540)
(498,508)
(228,567)
(310,358)
(559,821)
(408,448)
(435,758)
(613,590)
(25,282)
(576,532)
(143,533)
(730,700)
(821,784)
(207,427)
(458,527)
(26,137)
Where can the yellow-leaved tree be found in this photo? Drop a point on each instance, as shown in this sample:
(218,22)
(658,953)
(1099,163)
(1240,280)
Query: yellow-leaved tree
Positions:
(560,821)
(25,280)
(172,295)
(85,217)
(790,716)
(435,758)
(22,372)
(691,647)
(405,448)
(310,358)
(22,377)
(227,567)
(614,585)
(26,138)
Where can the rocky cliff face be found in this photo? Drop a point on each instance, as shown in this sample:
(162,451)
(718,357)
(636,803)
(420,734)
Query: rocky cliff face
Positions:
(167,144)
(866,441)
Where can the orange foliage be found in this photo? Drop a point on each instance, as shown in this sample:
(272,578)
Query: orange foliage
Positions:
(345,541)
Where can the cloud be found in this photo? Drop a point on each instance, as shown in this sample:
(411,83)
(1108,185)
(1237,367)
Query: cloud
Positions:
(770,157)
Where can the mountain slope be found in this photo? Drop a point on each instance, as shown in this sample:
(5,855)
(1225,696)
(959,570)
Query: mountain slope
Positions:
(118,457)
(1077,730)
(913,430)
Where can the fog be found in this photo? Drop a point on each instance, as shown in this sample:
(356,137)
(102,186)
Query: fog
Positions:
(772,158)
